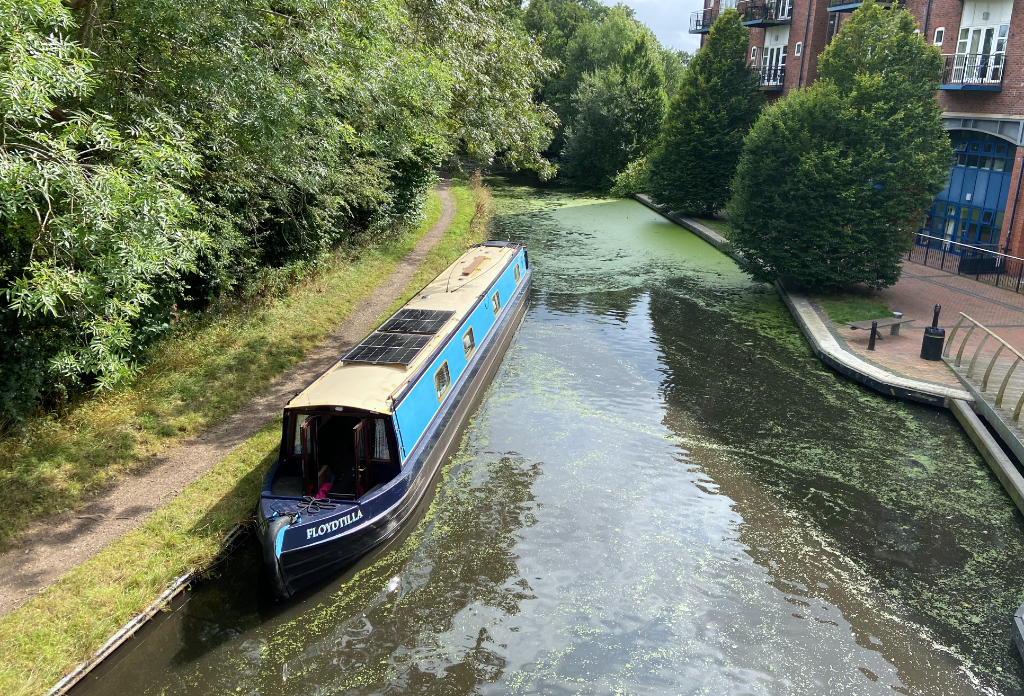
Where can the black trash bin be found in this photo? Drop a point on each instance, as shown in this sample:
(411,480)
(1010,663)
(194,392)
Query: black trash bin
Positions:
(934,338)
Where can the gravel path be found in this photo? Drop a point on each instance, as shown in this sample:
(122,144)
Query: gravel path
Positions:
(48,550)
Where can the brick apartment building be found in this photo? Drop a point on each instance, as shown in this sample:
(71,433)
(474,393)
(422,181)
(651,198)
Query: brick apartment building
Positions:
(982,97)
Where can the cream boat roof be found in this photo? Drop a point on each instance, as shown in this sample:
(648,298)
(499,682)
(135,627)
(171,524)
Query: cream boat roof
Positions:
(366,386)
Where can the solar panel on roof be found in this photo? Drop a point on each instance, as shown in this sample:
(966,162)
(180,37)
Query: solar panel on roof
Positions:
(387,348)
(417,321)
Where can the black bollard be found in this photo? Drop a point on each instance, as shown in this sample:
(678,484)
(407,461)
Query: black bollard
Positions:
(934,337)
(871,341)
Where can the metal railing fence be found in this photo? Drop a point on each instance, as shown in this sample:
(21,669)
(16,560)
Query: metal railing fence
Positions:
(702,21)
(771,76)
(973,69)
(982,264)
(765,10)
(1015,355)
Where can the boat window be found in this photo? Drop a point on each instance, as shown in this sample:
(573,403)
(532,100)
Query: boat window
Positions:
(442,380)
(517,273)
(380,440)
(496,302)
(297,443)
(468,343)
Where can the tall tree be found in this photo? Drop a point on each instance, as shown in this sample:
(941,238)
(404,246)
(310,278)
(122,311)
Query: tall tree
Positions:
(717,102)
(833,180)
(619,114)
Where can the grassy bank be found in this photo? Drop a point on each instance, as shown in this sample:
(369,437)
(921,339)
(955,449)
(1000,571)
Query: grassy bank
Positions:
(848,307)
(205,370)
(65,624)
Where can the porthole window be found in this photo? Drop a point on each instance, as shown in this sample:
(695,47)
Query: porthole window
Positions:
(940,34)
(442,380)
(517,273)
(468,342)
(799,48)
(496,302)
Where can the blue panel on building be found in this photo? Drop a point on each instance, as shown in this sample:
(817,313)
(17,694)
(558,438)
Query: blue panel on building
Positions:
(971,209)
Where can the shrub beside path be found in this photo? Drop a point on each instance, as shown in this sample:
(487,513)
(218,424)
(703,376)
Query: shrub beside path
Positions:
(48,550)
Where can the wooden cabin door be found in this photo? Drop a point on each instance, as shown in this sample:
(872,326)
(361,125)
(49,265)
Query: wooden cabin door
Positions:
(309,459)
(360,433)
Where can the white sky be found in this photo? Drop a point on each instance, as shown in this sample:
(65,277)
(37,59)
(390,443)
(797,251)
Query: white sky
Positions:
(669,19)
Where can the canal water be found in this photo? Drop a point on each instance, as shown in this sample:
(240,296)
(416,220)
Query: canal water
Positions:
(663,492)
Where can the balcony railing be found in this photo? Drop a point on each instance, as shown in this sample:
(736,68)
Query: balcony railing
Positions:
(700,22)
(772,77)
(765,13)
(850,6)
(974,71)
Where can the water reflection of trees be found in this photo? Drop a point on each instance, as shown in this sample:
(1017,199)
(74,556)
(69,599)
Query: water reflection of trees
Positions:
(616,305)
(364,640)
(896,488)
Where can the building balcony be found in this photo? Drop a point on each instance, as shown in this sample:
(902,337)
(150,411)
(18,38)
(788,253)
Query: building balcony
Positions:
(765,13)
(976,72)
(845,6)
(700,22)
(771,77)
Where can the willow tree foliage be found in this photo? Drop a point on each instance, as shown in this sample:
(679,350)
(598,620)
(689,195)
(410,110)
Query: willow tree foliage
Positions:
(618,116)
(833,180)
(169,151)
(717,102)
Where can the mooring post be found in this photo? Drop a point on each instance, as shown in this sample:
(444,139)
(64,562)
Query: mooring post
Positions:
(934,337)
(871,341)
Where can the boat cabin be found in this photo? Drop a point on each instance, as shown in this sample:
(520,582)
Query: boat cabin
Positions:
(335,453)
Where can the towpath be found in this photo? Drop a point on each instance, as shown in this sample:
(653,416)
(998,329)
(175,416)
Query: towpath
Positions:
(47,551)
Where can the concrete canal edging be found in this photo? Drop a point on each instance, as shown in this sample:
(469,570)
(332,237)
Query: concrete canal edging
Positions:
(847,363)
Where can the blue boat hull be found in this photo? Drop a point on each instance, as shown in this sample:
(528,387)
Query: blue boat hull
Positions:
(335,538)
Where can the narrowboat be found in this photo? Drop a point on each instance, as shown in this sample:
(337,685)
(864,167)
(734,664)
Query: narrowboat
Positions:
(361,444)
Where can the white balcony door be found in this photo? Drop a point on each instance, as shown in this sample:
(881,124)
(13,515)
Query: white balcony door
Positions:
(979,54)
(772,64)
(981,45)
(773,57)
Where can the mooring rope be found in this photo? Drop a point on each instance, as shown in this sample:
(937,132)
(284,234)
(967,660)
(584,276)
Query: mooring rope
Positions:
(311,505)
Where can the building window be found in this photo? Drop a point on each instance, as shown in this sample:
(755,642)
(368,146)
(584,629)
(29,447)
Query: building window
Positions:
(496,302)
(442,380)
(798,50)
(753,54)
(468,343)
(940,34)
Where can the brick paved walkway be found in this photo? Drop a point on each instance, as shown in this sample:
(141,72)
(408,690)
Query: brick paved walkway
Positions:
(918,291)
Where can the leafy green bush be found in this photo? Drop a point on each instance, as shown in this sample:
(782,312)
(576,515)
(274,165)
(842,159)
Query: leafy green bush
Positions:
(94,222)
(832,181)
(631,180)
(618,116)
(167,152)
(717,102)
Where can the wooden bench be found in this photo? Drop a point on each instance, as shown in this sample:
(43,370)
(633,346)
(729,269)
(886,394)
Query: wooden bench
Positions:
(892,322)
